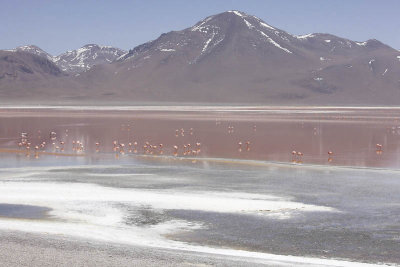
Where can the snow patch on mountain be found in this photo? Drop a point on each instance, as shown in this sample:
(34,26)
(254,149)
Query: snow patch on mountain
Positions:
(305,36)
(370,63)
(207,43)
(248,24)
(199,26)
(266,25)
(236,13)
(274,43)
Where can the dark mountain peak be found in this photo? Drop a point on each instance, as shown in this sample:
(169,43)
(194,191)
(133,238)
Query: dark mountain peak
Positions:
(373,43)
(221,32)
(19,63)
(236,12)
(234,18)
(26,47)
(99,47)
(34,49)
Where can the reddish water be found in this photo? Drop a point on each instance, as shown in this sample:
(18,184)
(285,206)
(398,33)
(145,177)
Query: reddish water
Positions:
(350,133)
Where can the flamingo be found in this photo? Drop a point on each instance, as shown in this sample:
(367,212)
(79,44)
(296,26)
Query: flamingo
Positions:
(294,154)
(240,146)
(330,154)
(36,152)
(300,156)
(161,148)
(378,149)
(121,148)
(135,147)
(198,147)
(248,145)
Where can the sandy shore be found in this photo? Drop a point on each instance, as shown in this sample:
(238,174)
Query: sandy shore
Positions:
(22,249)
(25,249)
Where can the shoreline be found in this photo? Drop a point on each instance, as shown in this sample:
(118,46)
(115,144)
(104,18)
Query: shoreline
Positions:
(224,161)
(61,250)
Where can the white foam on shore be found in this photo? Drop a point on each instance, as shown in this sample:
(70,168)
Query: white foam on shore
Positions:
(74,200)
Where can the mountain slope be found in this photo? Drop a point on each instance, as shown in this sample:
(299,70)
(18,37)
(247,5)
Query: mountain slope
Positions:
(23,74)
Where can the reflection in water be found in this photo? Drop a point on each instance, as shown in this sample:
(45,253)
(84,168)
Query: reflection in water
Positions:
(355,137)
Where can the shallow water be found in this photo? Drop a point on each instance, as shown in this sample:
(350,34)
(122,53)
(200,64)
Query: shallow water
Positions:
(22,211)
(351,134)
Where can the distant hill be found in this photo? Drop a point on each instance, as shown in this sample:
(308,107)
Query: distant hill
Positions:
(78,60)
(23,74)
(233,57)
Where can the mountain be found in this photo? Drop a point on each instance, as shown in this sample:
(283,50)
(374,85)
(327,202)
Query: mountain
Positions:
(30,74)
(33,49)
(84,58)
(25,74)
(233,57)
(79,60)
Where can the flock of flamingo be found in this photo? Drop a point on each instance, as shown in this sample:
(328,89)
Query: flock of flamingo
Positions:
(58,146)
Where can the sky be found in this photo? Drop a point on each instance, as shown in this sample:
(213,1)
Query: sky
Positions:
(58,26)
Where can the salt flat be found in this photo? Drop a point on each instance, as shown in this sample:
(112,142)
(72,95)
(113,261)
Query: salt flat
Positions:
(194,208)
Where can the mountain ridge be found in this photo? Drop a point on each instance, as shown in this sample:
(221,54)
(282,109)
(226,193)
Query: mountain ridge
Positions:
(235,57)
(78,60)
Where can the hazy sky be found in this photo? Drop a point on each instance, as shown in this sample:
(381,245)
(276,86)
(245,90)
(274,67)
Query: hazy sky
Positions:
(57,26)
